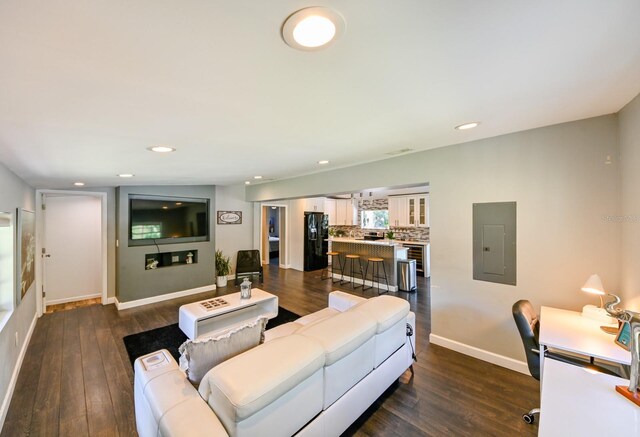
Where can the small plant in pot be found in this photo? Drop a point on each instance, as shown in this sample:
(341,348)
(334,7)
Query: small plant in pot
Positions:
(223,268)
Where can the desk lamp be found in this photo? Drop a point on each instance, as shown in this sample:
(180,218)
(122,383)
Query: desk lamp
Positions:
(594,286)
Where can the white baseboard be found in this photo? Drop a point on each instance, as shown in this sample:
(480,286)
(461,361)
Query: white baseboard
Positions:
(73,299)
(110,300)
(160,298)
(16,372)
(481,354)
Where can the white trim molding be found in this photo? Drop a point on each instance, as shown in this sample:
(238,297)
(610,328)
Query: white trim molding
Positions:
(481,354)
(160,298)
(16,371)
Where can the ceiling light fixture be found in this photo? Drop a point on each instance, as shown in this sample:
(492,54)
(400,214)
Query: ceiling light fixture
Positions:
(312,28)
(161,149)
(247,182)
(468,125)
(125,175)
(323,162)
(257,177)
(79,184)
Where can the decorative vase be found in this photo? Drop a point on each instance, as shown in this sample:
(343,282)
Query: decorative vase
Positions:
(221,281)
(245,289)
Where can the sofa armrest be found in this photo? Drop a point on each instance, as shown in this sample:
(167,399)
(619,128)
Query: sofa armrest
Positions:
(341,301)
(167,404)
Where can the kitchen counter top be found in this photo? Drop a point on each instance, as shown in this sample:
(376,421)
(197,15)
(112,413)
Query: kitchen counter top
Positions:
(424,243)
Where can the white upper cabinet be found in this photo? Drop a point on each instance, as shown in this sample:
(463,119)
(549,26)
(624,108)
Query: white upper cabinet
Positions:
(314,204)
(346,213)
(330,210)
(409,211)
(398,211)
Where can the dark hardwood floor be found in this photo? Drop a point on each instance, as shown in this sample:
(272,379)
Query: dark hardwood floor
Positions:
(76,379)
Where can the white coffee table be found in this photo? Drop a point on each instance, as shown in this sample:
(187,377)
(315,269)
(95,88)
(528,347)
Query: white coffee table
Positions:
(196,319)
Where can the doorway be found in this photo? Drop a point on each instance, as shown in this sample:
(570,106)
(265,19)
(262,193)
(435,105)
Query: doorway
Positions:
(273,235)
(73,248)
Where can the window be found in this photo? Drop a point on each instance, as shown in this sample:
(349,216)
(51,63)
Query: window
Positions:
(376,219)
(7,289)
(144,232)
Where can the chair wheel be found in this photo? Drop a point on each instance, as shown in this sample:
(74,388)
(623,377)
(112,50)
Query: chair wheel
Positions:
(528,418)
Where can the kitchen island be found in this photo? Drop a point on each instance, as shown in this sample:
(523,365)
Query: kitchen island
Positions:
(389,250)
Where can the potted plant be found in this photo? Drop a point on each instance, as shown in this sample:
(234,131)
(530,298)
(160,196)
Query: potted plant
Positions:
(390,235)
(223,268)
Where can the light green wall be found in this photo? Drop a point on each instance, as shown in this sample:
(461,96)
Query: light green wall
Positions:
(629,119)
(563,189)
(14,193)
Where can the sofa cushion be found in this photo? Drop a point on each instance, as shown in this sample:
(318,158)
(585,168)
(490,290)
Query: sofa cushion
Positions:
(281,331)
(341,334)
(201,355)
(291,327)
(247,383)
(385,310)
(317,316)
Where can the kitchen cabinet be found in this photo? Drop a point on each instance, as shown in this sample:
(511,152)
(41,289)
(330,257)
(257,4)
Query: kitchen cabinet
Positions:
(330,210)
(398,211)
(314,204)
(409,211)
(346,213)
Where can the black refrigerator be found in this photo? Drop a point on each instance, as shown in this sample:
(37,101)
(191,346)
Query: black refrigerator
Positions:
(316,246)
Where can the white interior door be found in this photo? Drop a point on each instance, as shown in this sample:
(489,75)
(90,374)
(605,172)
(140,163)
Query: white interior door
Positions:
(72,267)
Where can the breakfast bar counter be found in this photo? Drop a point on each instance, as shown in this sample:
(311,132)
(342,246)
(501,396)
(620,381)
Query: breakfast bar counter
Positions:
(389,250)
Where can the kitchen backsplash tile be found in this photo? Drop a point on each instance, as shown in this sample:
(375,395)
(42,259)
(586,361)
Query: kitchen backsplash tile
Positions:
(412,234)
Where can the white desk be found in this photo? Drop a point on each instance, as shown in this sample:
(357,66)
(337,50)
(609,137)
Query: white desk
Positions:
(569,331)
(578,403)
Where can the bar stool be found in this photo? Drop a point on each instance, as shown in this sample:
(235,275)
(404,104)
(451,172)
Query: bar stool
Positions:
(375,274)
(352,258)
(327,274)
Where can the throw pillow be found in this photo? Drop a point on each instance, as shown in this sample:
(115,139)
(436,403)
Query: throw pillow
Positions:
(201,355)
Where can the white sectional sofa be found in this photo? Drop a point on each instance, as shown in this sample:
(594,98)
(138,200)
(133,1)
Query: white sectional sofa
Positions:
(311,377)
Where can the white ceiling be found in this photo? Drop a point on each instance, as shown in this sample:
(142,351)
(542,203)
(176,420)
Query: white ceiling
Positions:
(87,86)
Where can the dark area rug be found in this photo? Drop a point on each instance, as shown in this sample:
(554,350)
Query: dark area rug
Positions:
(171,337)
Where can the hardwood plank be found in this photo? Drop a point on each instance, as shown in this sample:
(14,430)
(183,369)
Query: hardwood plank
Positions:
(100,415)
(47,401)
(118,382)
(73,410)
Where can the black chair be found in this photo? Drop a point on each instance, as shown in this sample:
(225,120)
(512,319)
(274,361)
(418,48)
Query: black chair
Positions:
(528,325)
(249,265)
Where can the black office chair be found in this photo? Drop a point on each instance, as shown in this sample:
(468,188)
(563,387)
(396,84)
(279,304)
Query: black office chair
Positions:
(249,265)
(528,325)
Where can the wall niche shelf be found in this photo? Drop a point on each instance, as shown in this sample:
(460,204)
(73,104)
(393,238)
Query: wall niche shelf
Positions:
(154,261)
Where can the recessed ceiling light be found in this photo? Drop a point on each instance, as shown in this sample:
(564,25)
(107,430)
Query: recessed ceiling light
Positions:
(165,207)
(178,203)
(247,182)
(125,175)
(468,125)
(79,184)
(257,177)
(323,162)
(312,28)
(161,149)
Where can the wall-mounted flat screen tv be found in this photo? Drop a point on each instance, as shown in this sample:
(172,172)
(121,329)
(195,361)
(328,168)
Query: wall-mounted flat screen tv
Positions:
(166,220)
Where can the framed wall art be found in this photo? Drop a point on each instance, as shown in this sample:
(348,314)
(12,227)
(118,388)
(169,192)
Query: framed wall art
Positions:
(25,252)
(229,217)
